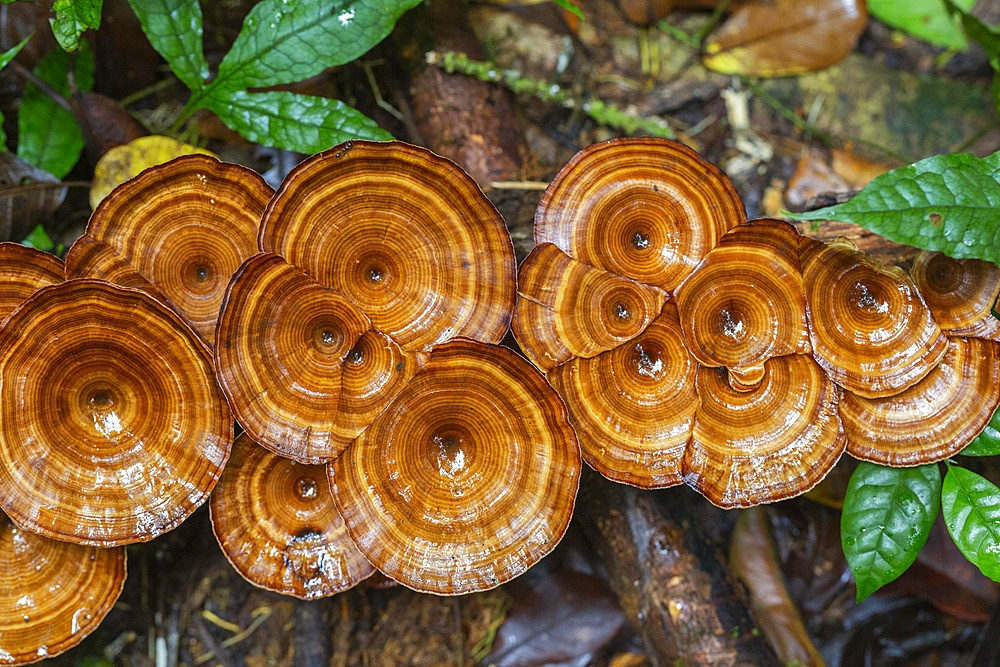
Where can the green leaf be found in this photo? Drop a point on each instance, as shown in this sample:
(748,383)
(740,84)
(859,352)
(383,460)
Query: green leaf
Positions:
(570,7)
(925,19)
(174,29)
(297,122)
(888,513)
(48,136)
(986,443)
(987,36)
(949,203)
(9,54)
(971,506)
(38,238)
(289,40)
(72,18)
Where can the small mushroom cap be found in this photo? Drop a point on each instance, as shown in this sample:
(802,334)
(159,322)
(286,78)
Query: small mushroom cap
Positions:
(773,442)
(277,524)
(566,308)
(116,433)
(52,594)
(959,292)
(405,234)
(633,407)
(185,226)
(935,418)
(869,328)
(647,209)
(468,477)
(745,303)
(24,271)
(289,352)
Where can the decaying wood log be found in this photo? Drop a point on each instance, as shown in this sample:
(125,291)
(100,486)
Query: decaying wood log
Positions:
(671,581)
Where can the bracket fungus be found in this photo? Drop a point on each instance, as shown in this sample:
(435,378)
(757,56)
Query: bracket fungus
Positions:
(24,271)
(277,524)
(467,478)
(184,227)
(116,434)
(755,356)
(372,254)
(52,593)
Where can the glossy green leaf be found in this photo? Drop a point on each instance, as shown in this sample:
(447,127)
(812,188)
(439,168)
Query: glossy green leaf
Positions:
(297,122)
(9,54)
(986,443)
(971,506)
(174,29)
(71,18)
(570,7)
(887,516)
(289,40)
(925,19)
(987,36)
(949,203)
(48,136)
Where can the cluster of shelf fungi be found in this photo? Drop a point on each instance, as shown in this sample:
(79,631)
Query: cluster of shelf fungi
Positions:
(350,324)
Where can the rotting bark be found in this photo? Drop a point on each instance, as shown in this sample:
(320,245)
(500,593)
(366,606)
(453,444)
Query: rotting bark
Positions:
(671,581)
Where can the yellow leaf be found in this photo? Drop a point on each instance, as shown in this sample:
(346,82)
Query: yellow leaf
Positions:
(124,162)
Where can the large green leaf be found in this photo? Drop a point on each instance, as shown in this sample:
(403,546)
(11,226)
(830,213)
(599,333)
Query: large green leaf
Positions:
(927,19)
(297,122)
(289,40)
(174,29)
(48,136)
(971,506)
(888,513)
(949,203)
(986,443)
(71,18)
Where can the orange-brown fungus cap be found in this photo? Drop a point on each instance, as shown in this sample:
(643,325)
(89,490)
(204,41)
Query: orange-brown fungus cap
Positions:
(468,477)
(568,309)
(773,442)
(959,292)
(405,234)
(869,327)
(646,209)
(744,303)
(114,429)
(90,258)
(935,418)
(185,226)
(52,594)
(633,407)
(23,271)
(286,352)
(276,522)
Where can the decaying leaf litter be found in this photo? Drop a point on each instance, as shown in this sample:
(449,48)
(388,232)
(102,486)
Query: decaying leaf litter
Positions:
(892,100)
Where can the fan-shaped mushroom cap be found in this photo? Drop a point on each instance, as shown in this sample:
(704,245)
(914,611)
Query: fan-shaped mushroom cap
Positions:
(646,209)
(284,347)
(114,428)
(959,292)
(935,418)
(773,442)
(405,234)
(185,226)
(90,258)
(633,407)
(744,303)
(468,477)
(869,327)
(23,271)
(568,309)
(276,522)
(52,594)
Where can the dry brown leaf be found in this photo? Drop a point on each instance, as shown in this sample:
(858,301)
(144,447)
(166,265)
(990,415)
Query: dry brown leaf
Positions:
(28,197)
(784,37)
